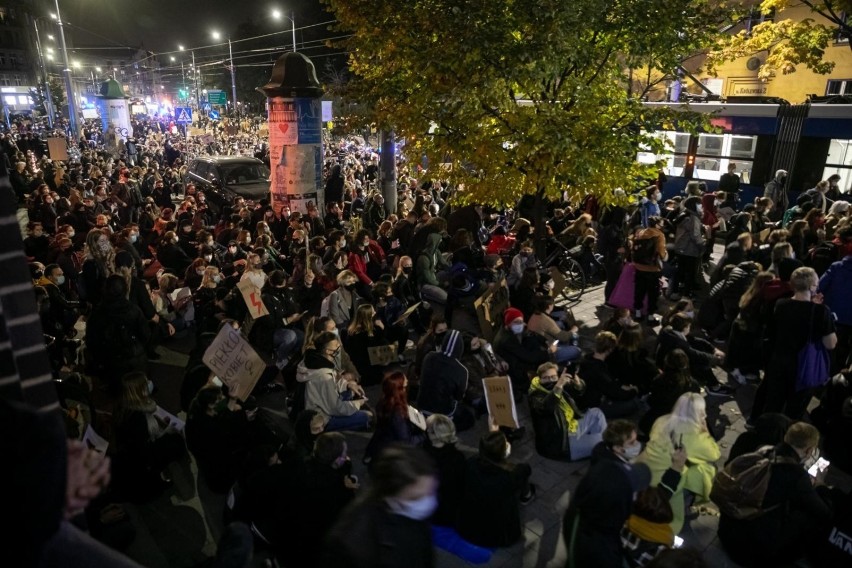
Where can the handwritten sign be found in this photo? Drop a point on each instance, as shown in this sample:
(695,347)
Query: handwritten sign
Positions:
(57,148)
(558,281)
(234,361)
(407,313)
(251,296)
(489,309)
(382,355)
(500,401)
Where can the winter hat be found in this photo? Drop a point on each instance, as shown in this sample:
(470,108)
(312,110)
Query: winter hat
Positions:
(123,260)
(453,344)
(511,315)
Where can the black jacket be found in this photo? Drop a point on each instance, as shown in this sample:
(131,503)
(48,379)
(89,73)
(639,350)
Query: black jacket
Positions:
(599,383)
(443,379)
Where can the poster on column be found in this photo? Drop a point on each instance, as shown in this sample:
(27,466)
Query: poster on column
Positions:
(295,151)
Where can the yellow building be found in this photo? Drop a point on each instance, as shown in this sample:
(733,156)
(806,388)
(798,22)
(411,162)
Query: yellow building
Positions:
(739,78)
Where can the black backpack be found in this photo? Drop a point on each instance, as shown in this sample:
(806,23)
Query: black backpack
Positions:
(822,256)
(644,251)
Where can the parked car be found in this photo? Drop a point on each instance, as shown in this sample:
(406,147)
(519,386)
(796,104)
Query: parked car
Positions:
(224,177)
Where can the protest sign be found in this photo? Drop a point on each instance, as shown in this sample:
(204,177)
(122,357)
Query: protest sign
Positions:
(94,441)
(251,296)
(382,355)
(407,313)
(234,361)
(489,309)
(169,419)
(558,281)
(500,401)
(57,149)
(416,417)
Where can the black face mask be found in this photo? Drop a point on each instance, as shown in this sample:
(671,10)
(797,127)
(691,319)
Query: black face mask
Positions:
(439,337)
(407,269)
(351,287)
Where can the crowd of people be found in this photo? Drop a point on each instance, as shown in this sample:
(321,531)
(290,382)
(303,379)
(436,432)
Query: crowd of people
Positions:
(126,257)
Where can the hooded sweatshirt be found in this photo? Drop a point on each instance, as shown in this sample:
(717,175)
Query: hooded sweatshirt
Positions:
(322,389)
(443,379)
(427,263)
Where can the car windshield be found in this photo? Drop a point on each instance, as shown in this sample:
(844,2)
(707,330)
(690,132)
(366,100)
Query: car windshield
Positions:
(239,174)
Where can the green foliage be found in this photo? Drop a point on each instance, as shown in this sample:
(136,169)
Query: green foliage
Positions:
(519,97)
(787,43)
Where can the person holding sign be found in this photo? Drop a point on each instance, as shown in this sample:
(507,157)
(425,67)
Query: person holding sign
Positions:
(365,331)
(523,350)
(326,392)
(561,430)
(277,333)
(443,382)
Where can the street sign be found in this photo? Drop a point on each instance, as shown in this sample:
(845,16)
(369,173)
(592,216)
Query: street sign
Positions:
(217,97)
(205,106)
(213,114)
(183,115)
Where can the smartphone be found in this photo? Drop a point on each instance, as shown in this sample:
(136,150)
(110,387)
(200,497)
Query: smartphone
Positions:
(820,465)
(678,542)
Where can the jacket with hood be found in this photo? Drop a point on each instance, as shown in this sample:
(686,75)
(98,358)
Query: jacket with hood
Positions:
(427,264)
(443,379)
(688,239)
(322,388)
(775,191)
(835,285)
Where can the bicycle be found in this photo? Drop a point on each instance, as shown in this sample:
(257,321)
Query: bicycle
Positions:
(565,261)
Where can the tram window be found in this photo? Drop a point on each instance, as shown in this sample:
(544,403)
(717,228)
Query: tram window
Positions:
(742,146)
(845,183)
(709,145)
(839,153)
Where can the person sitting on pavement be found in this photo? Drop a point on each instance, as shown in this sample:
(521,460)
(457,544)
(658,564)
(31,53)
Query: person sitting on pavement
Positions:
(602,390)
(394,422)
(365,331)
(522,350)
(685,428)
(701,353)
(561,430)
(631,363)
(543,324)
(443,382)
(451,463)
(494,487)
(325,392)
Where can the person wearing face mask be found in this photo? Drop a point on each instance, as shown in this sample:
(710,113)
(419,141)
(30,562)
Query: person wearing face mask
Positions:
(797,508)
(561,430)
(97,266)
(171,255)
(233,253)
(343,301)
(490,514)
(386,526)
(443,382)
(37,244)
(520,263)
(685,428)
(522,350)
(689,244)
(650,205)
(602,390)
(777,192)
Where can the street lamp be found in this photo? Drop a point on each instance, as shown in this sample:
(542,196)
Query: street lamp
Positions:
(66,72)
(278,14)
(48,98)
(216,36)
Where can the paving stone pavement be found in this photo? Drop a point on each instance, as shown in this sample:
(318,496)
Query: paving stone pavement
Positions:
(180,531)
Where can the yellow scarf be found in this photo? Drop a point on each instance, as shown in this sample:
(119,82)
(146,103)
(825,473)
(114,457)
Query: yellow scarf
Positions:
(660,533)
(563,404)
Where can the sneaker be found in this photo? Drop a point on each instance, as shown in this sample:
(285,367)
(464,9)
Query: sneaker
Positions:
(720,390)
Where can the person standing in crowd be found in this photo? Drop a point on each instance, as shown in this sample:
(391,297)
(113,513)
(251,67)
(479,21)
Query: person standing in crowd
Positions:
(648,252)
(386,526)
(776,191)
(689,244)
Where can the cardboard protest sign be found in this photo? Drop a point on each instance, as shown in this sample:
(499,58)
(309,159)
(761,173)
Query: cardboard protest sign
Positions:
(489,310)
(94,441)
(407,313)
(251,296)
(234,361)
(169,419)
(382,355)
(500,401)
(57,149)
(558,281)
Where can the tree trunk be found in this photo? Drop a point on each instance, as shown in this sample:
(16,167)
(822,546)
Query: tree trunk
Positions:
(540,225)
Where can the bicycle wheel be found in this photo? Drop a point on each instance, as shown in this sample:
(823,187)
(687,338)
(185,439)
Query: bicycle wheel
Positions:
(575,279)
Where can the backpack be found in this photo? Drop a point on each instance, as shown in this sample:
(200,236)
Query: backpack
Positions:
(644,251)
(821,256)
(740,488)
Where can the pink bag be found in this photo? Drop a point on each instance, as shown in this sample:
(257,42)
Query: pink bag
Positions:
(622,294)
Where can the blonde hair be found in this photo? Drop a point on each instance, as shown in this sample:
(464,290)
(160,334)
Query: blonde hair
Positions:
(363,320)
(441,430)
(690,409)
(345,276)
(803,279)
(207,279)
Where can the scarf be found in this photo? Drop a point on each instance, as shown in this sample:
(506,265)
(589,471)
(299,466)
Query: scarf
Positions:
(564,407)
(660,533)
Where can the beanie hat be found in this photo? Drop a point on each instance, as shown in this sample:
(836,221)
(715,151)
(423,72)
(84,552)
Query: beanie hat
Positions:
(786,268)
(511,315)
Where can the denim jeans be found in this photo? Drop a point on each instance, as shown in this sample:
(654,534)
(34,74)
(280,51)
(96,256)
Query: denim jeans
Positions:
(589,433)
(566,353)
(357,421)
(285,342)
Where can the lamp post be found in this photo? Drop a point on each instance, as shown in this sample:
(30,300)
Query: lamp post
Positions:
(278,14)
(216,35)
(66,72)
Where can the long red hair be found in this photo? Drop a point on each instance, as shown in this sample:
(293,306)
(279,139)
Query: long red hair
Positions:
(394,399)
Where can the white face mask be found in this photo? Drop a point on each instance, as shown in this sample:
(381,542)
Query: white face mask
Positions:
(60,280)
(632,452)
(517,328)
(418,509)
(699,209)
(657,196)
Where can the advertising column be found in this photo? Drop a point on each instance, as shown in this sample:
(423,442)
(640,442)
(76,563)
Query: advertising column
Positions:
(295,134)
